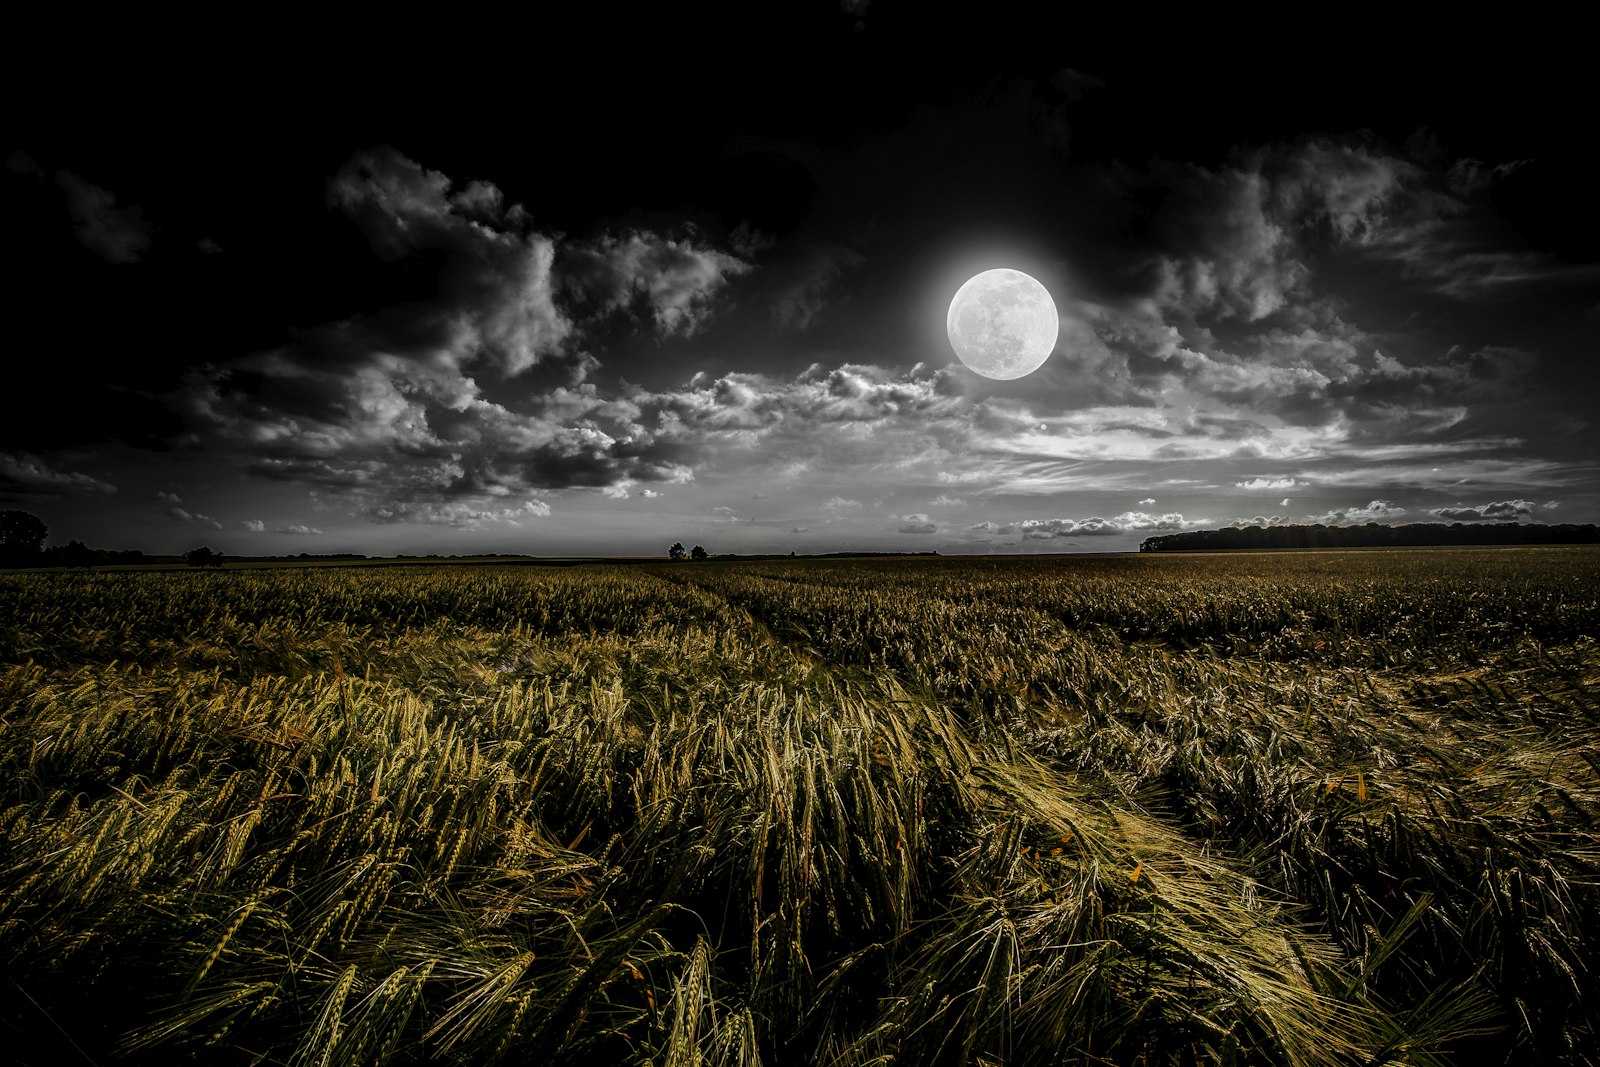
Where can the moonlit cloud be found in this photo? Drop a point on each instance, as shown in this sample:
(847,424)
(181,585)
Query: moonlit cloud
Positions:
(392,407)
(674,279)
(1268,483)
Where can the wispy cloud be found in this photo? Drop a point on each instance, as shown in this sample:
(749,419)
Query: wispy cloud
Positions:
(25,474)
(115,234)
(178,514)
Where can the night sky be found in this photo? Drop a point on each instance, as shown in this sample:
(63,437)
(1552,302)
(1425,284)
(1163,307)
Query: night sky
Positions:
(554,284)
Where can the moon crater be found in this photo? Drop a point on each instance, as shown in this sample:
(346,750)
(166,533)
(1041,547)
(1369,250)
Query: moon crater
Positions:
(1002,324)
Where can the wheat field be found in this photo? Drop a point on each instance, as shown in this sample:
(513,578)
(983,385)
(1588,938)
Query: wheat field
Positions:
(1303,808)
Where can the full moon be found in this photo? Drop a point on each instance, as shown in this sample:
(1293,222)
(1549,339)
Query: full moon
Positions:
(1002,324)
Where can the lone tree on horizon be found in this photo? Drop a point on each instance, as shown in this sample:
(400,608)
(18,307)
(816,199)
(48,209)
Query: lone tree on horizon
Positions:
(697,553)
(203,556)
(676,551)
(22,536)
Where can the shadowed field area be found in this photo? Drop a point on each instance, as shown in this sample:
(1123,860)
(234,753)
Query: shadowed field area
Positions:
(1297,808)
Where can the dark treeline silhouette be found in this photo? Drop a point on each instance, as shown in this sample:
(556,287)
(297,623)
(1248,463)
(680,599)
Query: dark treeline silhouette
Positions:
(1375,535)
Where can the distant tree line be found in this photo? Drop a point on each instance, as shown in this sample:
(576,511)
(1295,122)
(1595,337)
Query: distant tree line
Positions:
(22,537)
(1374,535)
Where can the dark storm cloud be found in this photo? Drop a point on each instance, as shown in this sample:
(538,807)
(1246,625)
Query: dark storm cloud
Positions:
(115,234)
(1500,511)
(25,474)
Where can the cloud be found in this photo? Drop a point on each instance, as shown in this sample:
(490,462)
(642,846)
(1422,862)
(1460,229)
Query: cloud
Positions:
(838,504)
(799,529)
(297,529)
(1499,511)
(1268,483)
(1230,242)
(253,525)
(1147,501)
(1376,511)
(168,498)
(674,278)
(177,514)
(496,297)
(117,235)
(1284,502)
(208,246)
(810,284)
(1447,236)
(1074,84)
(458,514)
(392,408)
(1469,177)
(25,474)
(918,523)
(991,528)
(943,501)
(1096,525)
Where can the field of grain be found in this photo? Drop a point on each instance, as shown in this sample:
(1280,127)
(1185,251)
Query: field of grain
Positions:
(1295,808)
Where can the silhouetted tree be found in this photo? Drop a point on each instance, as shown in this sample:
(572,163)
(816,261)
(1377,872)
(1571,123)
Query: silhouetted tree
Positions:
(676,551)
(203,557)
(697,552)
(21,538)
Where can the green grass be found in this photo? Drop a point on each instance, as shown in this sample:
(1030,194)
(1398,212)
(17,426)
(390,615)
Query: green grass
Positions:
(1303,808)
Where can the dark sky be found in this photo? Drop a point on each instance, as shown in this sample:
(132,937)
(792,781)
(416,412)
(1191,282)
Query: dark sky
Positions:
(556,283)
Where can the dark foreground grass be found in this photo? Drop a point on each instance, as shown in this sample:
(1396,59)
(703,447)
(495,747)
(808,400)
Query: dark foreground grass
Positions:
(1309,808)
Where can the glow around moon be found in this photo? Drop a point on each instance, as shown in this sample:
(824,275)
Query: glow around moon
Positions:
(1002,324)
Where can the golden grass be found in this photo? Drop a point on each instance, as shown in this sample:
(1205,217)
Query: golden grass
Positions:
(1311,809)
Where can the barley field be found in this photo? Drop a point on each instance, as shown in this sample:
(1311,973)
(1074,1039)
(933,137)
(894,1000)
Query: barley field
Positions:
(1304,808)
